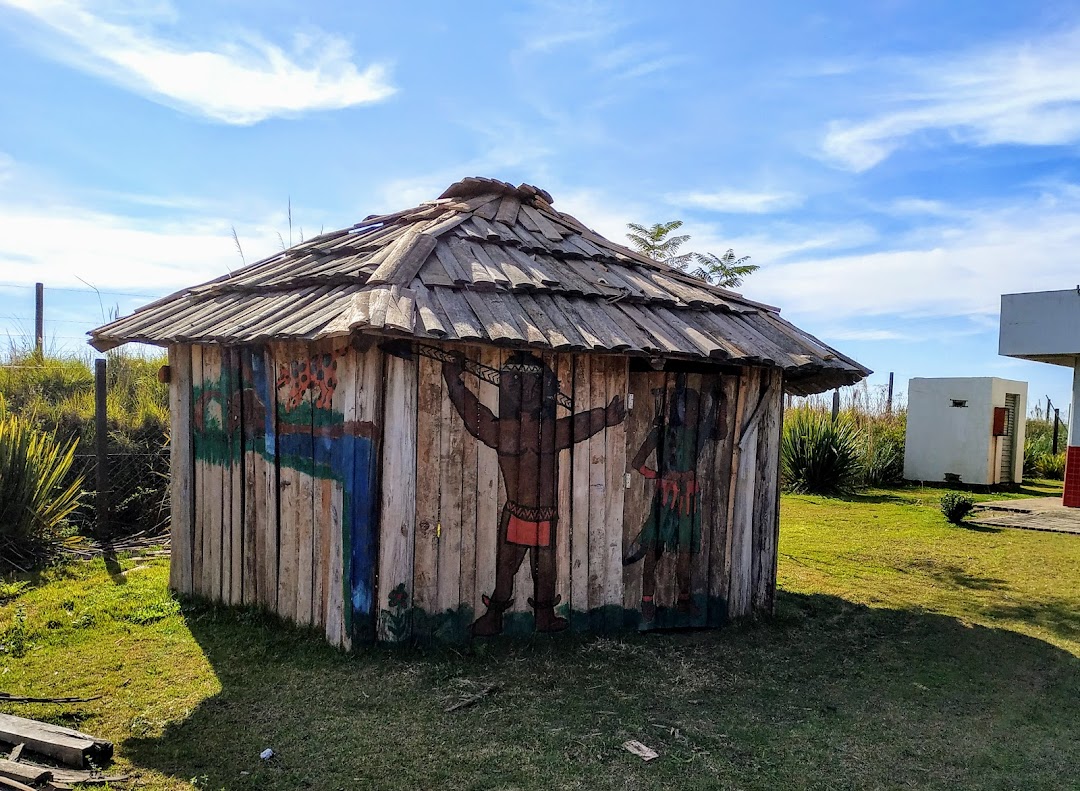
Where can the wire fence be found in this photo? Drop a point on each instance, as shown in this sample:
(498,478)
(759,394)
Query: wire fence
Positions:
(136,493)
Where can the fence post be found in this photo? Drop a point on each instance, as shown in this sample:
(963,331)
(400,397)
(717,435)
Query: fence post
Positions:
(1057,422)
(835,404)
(888,398)
(101,448)
(39,318)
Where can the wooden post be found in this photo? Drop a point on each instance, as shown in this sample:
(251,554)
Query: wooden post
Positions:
(835,404)
(1057,423)
(39,318)
(888,398)
(101,447)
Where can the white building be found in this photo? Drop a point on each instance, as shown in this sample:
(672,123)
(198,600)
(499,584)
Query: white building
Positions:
(1045,326)
(965,430)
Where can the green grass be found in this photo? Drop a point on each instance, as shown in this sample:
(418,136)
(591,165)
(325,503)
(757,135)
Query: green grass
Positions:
(906,653)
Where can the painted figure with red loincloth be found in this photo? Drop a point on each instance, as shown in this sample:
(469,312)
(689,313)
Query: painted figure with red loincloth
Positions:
(527,437)
(678,436)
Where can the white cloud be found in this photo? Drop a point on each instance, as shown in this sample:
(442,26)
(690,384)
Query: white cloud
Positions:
(1027,94)
(62,243)
(561,23)
(240,80)
(735,201)
(956,268)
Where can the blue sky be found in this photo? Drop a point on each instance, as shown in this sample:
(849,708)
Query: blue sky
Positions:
(892,166)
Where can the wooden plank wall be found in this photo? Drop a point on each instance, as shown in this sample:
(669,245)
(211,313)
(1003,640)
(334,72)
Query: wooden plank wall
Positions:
(181,463)
(351,489)
(262,461)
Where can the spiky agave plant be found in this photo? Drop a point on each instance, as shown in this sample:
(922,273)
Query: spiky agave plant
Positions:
(35,500)
(819,455)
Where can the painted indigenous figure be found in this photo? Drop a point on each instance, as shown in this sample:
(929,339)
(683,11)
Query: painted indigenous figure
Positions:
(528,438)
(678,436)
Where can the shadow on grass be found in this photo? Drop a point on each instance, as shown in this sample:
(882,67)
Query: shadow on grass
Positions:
(826,692)
(976,528)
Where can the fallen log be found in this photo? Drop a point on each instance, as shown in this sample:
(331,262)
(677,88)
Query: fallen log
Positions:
(68,746)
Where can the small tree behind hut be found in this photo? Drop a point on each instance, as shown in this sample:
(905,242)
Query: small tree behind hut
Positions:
(725,270)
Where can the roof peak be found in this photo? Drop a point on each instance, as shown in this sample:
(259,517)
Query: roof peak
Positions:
(472,186)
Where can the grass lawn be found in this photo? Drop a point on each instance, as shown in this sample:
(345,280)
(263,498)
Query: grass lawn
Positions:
(906,653)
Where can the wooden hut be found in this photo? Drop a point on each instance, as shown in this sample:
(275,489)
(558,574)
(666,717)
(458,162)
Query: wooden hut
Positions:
(476,416)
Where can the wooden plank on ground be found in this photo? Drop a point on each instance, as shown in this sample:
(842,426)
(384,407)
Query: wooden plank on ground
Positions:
(24,773)
(398,513)
(181,469)
(68,746)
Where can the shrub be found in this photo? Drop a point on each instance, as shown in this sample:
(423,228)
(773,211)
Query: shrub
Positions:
(1051,466)
(956,506)
(819,455)
(883,448)
(35,498)
(1039,459)
(56,394)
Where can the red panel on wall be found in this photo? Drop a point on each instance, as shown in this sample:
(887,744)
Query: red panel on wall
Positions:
(1001,415)
(1072,478)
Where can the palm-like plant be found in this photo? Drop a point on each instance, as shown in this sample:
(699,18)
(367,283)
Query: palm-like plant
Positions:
(657,245)
(725,270)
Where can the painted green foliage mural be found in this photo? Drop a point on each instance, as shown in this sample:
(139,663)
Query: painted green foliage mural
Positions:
(284,411)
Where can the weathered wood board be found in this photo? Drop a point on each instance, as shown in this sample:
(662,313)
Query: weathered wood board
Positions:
(182,466)
(68,746)
(389,491)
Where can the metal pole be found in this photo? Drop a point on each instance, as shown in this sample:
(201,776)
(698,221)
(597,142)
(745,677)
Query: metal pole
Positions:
(888,399)
(101,448)
(39,318)
(1048,407)
(1057,422)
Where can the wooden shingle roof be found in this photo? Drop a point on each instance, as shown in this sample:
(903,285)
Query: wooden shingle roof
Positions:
(486,262)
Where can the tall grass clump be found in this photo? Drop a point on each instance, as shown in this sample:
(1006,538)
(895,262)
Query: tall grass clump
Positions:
(879,427)
(54,394)
(1039,459)
(819,455)
(36,494)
